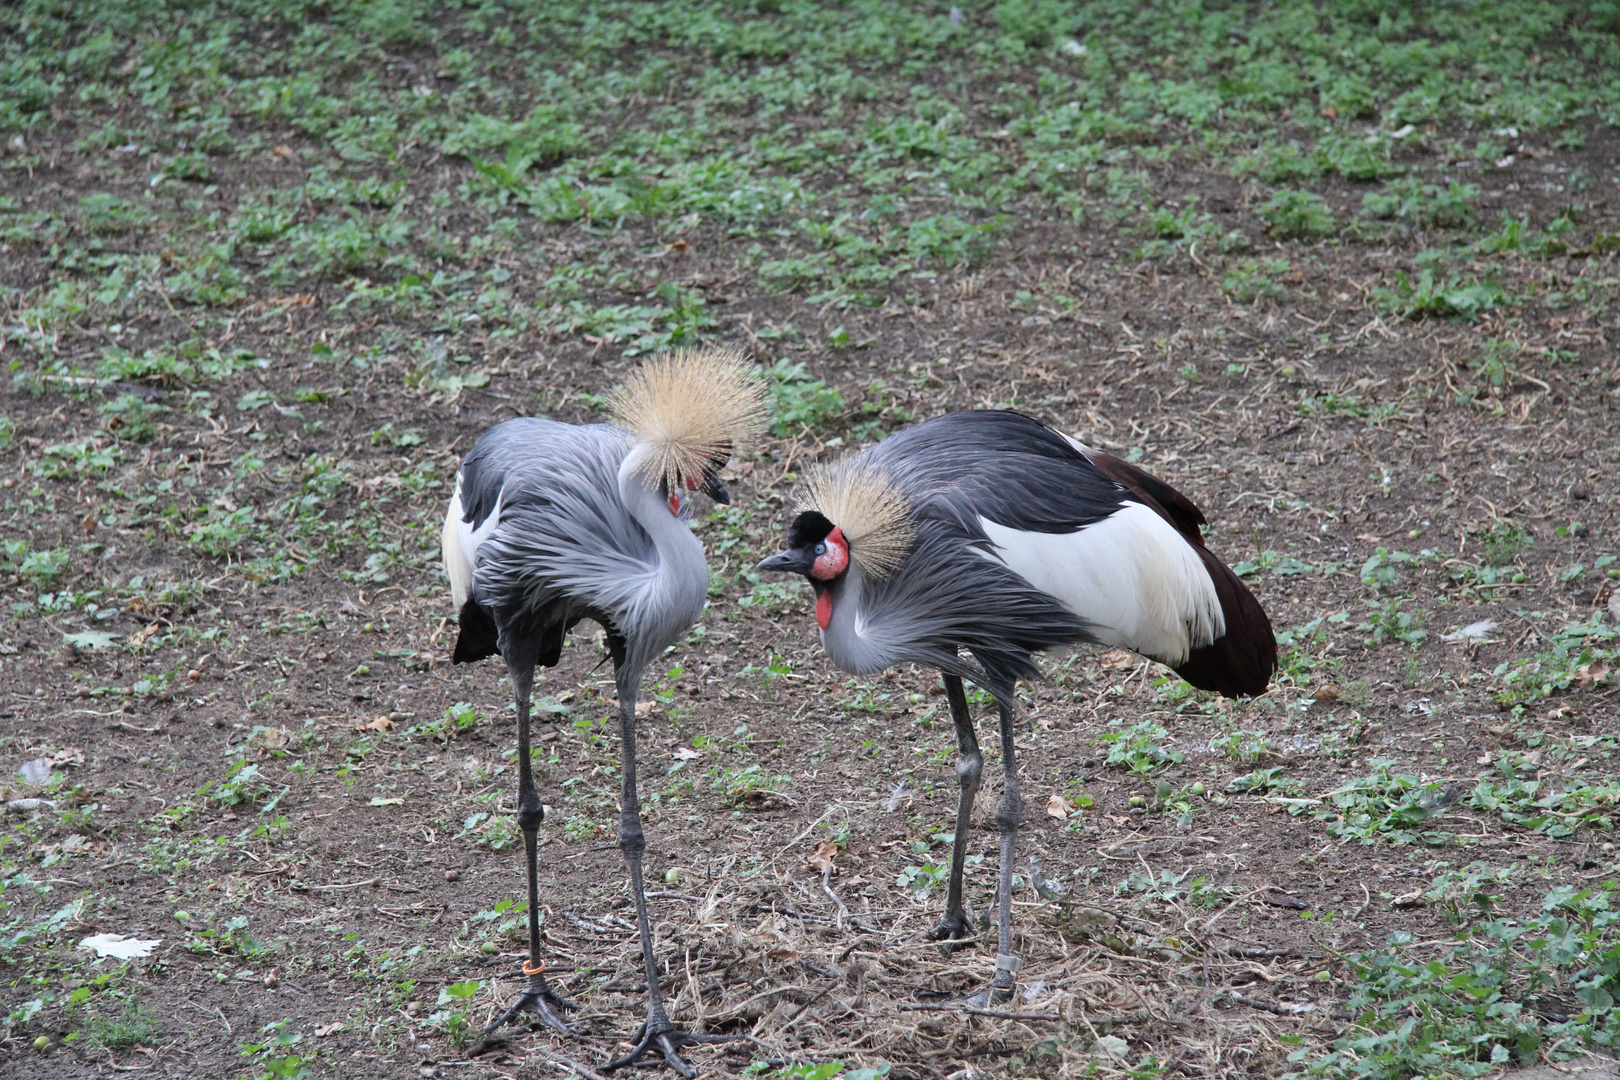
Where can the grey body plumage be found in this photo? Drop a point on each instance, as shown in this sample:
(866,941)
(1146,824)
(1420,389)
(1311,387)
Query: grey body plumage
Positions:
(572,542)
(552,523)
(997,538)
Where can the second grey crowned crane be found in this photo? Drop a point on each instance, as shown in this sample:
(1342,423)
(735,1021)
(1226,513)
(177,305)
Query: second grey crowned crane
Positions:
(992,534)
(553,523)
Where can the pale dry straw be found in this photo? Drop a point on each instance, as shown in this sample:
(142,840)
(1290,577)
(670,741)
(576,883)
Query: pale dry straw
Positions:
(866,504)
(695,408)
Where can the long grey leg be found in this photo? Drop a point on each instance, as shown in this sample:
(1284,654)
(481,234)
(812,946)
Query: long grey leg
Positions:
(537,997)
(969,768)
(657,1032)
(1009,813)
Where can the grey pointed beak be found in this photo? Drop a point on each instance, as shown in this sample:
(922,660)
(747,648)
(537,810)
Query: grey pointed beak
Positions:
(788,562)
(715,489)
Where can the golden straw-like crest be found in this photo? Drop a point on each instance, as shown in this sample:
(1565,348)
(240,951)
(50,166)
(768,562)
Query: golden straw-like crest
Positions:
(867,505)
(695,408)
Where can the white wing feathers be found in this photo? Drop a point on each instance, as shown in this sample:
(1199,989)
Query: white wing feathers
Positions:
(461,543)
(1131,575)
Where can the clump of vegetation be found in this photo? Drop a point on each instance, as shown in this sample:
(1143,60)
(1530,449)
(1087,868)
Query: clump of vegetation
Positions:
(800,402)
(1292,215)
(1502,994)
(1504,543)
(1136,747)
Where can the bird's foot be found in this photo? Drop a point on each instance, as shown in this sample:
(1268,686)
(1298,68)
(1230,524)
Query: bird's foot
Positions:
(661,1035)
(955,929)
(537,998)
(1001,990)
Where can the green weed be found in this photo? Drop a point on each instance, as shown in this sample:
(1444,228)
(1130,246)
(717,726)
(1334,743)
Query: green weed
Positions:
(1503,995)
(1387,805)
(1136,747)
(1292,215)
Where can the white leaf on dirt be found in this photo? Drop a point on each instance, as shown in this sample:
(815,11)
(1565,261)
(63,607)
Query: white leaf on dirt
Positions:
(119,947)
(24,805)
(91,639)
(1614,605)
(36,772)
(1057,806)
(896,797)
(686,753)
(1113,1046)
(380,801)
(1476,631)
(1407,899)
(323,1030)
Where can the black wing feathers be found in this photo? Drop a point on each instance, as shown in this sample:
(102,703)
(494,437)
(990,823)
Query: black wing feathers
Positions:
(476,636)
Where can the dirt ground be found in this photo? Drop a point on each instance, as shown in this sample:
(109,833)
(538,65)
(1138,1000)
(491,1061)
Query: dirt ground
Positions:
(257,754)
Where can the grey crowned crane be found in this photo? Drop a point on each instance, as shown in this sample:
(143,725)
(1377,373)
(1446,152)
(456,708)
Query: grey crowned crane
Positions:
(552,523)
(989,533)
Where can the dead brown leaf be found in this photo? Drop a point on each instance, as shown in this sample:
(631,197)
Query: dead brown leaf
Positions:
(382,723)
(1058,807)
(821,859)
(1597,673)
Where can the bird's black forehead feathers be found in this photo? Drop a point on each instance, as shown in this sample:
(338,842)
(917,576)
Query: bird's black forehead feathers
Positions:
(808,528)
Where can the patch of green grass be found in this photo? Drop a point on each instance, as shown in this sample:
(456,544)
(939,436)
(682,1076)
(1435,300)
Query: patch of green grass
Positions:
(1297,215)
(1504,543)
(1387,620)
(1503,994)
(1386,805)
(1244,747)
(1136,747)
(1552,802)
(132,1025)
(1454,297)
(1253,279)
(1578,654)
(799,402)
(1448,206)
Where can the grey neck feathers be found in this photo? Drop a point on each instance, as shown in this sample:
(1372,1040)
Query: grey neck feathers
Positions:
(854,645)
(668,599)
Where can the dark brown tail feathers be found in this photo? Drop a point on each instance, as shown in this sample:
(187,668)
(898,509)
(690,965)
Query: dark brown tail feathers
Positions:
(1242,660)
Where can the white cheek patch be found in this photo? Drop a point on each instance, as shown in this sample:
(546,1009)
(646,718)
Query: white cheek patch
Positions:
(1131,575)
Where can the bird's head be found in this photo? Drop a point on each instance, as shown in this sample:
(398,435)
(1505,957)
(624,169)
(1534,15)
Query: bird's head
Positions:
(850,515)
(817,549)
(689,411)
(703,475)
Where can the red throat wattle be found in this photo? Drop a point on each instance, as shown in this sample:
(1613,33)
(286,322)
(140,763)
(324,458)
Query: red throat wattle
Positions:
(675,505)
(833,560)
(823,608)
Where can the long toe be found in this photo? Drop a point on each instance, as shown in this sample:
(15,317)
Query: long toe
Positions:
(954,930)
(668,1042)
(672,1057)
(541,1002)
